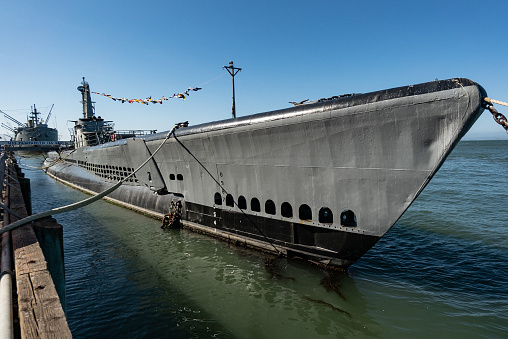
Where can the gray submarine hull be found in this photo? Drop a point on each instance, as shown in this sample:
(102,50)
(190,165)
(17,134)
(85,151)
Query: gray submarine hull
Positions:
(323,181)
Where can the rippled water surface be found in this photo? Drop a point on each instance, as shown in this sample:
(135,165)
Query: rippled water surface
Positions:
(441,271)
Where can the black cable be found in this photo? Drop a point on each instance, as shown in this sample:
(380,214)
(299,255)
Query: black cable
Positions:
(222,188)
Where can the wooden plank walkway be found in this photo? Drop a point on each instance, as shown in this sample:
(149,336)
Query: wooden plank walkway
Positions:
(40,312)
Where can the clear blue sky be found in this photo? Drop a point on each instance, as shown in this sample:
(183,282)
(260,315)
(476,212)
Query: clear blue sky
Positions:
(289,51)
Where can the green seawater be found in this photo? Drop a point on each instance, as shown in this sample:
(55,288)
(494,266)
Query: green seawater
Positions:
(441,271)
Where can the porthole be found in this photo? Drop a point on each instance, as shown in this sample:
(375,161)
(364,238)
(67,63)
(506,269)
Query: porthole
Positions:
(286,210)
(229,200)
(242,203)
(305,213)
(270,207)
(254,205)
(325,216)
(217,199)
(348,219)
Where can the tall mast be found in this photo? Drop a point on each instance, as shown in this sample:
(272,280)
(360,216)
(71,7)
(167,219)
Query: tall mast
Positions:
(232,70)
(86,100)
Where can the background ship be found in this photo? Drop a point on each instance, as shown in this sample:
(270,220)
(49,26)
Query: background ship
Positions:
(35,129)
(323,181)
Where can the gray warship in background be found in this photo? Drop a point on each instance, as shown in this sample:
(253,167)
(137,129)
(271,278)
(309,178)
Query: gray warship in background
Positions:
(35,129)
(323,181)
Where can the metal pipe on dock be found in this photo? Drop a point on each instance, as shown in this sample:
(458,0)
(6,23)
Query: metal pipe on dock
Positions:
(6,305)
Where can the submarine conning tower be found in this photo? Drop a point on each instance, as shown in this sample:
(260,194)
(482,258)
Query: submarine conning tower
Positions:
(90,130)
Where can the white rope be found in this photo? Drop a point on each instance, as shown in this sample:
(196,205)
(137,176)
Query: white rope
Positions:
(492,101)
(82,203)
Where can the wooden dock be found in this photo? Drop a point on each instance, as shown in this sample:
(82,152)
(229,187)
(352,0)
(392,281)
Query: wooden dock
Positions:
(36,260)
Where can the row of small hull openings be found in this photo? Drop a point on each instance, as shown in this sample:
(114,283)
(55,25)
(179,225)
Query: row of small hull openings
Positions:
(115,173)
(347,217)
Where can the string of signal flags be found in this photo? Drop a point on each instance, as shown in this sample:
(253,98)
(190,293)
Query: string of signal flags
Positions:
(150,99)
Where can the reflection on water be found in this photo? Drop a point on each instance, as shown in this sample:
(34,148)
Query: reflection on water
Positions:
(441,271)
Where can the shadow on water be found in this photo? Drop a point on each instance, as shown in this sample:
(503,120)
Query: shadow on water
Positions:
(151,282)
(239,289)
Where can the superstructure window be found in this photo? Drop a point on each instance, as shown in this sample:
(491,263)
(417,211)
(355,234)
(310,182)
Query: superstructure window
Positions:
(172,176)
(254,205)
(270,207)
(305,213)
(286,210)
(179,177)
(325,216)
(348,219)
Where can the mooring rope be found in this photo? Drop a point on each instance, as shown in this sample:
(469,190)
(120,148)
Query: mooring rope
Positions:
(85,202)
(493,101)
